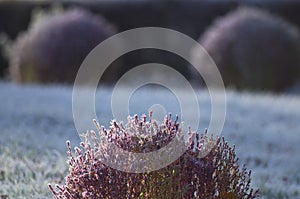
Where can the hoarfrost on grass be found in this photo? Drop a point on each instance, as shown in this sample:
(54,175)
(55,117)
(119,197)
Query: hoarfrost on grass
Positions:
(37,119)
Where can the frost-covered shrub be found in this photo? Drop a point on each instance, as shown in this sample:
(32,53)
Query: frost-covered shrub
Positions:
(217,175)
(253,48)
(54,47)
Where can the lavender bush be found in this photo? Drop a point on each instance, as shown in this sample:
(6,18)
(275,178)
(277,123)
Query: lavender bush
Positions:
(217,175)
(253,48)
(54,47)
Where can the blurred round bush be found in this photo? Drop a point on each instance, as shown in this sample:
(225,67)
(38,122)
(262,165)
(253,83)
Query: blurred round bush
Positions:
(252,48)
(54,47)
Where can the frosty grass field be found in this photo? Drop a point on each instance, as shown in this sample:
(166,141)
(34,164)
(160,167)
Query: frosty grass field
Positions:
(35,122)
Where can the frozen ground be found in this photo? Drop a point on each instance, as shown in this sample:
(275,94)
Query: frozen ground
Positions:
(35,122)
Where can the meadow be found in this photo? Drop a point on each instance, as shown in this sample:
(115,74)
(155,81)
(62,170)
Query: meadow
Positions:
(36,121)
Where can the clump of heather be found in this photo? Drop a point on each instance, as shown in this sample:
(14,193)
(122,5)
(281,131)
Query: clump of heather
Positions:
(215,174)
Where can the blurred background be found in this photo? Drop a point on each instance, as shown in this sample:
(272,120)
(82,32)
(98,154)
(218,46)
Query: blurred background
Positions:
(255,43)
